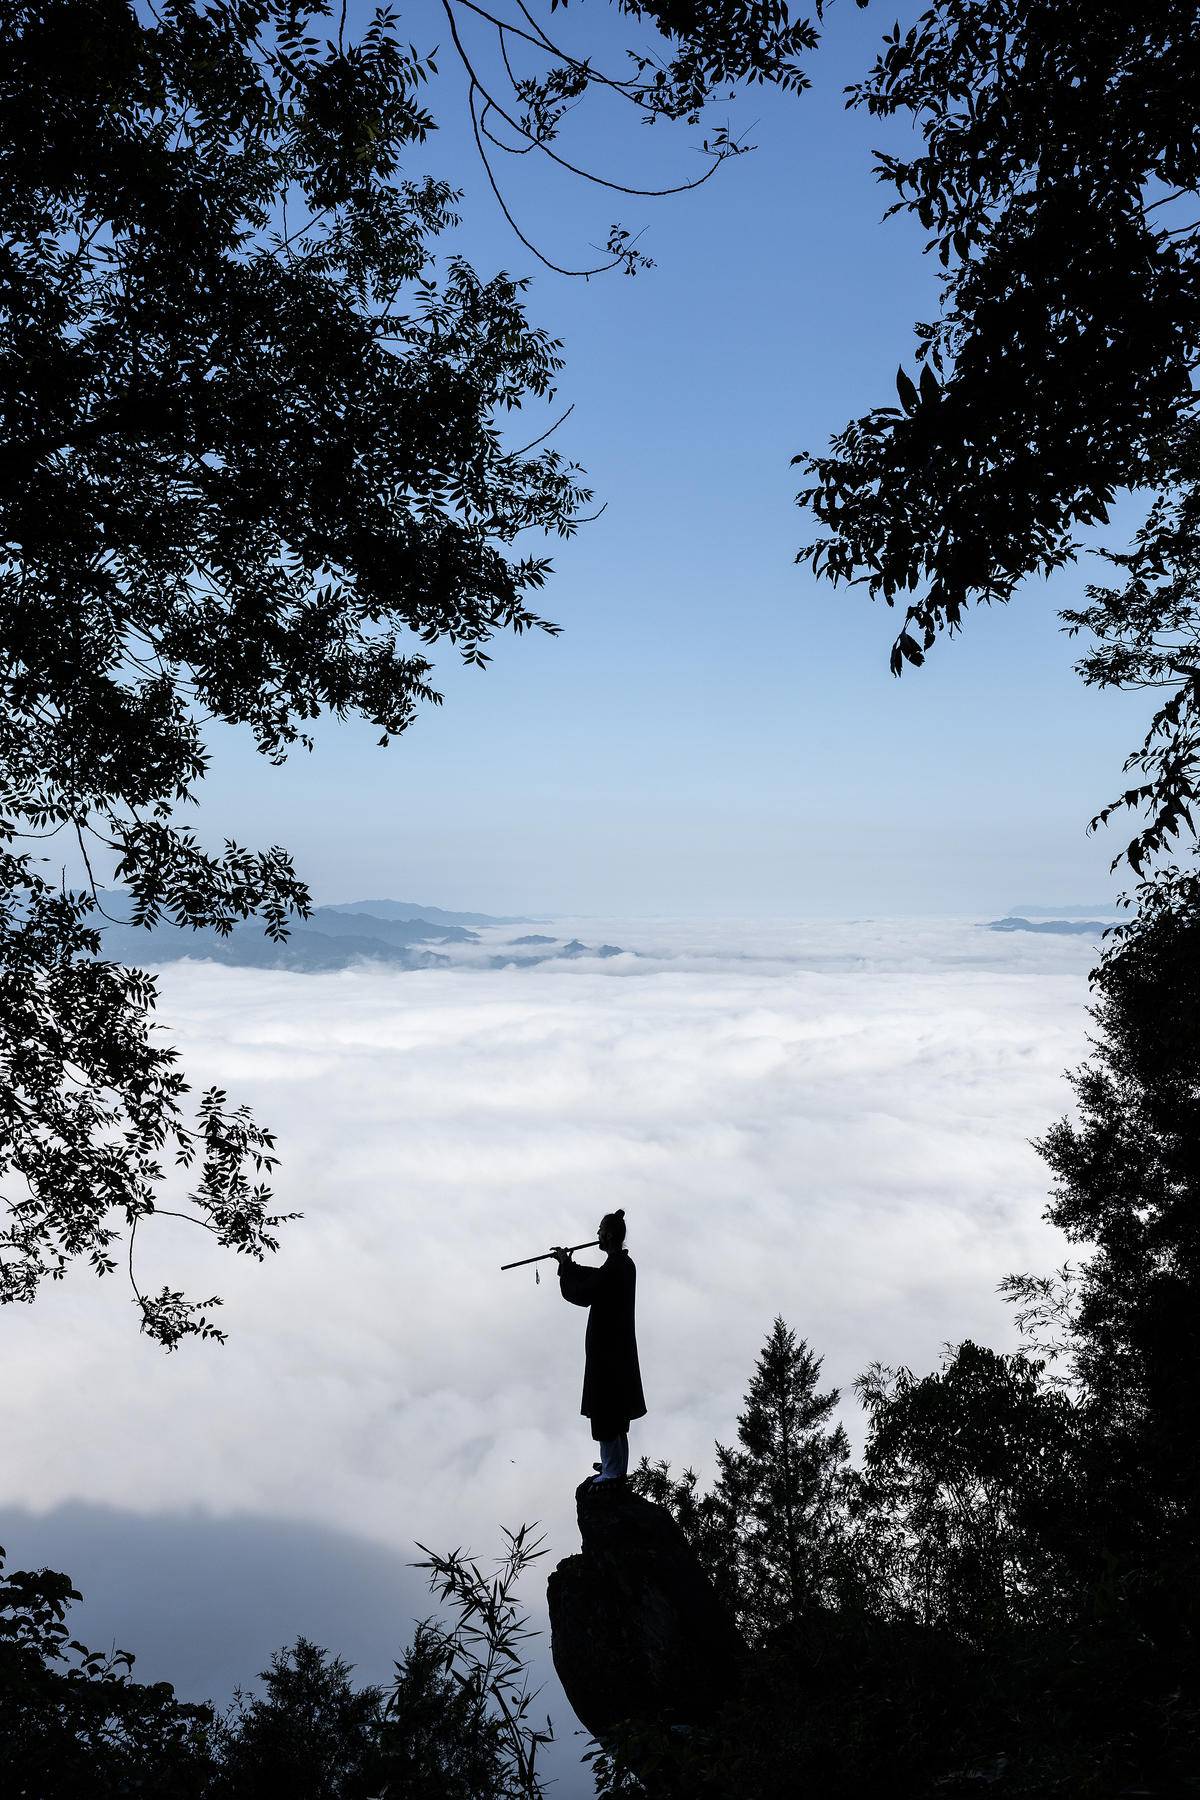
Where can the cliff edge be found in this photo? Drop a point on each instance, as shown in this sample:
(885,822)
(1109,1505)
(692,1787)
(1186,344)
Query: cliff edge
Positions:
(637,1632)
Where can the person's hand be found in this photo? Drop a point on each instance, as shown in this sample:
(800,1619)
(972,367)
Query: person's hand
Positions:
(559,1254)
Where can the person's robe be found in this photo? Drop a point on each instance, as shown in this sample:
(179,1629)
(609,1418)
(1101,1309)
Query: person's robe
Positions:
(612,1380)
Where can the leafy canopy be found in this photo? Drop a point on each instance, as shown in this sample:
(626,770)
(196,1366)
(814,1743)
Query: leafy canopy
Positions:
(253,467)
(1057,177)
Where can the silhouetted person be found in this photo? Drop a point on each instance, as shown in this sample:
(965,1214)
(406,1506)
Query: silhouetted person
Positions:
(612,1381)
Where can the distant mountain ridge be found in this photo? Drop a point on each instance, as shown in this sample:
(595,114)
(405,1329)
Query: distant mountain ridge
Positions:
(410,910)
(320,943)
(247,947)
(392,930)
(331,938)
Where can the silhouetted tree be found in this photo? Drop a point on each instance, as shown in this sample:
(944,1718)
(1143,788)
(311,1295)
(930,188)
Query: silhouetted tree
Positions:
(433,1743)
(1057,177)
(251,469)
(1127,1186)
(1145,634)
(787,1481)
(310,1733)
(73,1723)
(965,1474)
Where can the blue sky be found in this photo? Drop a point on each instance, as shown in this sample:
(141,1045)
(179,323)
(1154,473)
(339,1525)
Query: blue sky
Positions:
(715,732)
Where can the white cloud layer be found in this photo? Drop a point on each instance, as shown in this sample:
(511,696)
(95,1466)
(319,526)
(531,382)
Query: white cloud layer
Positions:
(829,1121)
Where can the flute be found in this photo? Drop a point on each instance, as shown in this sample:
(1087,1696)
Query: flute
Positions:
(547,1254)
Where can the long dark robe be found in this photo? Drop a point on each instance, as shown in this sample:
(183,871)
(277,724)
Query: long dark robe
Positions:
(612,1381)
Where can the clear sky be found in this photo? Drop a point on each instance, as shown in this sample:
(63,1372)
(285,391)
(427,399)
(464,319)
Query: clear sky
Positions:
(715,732)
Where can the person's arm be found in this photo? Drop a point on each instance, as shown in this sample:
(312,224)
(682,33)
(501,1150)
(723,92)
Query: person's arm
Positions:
(577,1283)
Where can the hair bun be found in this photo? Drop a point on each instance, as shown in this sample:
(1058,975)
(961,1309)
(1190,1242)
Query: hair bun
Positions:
(620,1212)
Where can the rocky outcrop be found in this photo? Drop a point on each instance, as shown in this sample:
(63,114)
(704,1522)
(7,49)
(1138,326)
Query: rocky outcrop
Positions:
(637,1631)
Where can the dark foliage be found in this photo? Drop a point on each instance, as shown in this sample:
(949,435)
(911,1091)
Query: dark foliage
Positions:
(435,1742)
(73,1724)
(963,1473)
(848,1704)
(1146,635)
(252,468)
(310,1733)
(1057,177)
(1071,316)
(1127,1185)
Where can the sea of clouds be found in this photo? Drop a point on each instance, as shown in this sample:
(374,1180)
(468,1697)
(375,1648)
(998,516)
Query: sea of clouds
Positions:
(827,1120)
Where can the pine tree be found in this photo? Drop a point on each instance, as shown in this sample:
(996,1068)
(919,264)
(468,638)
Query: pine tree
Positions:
(310,1734)
(785,1482)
